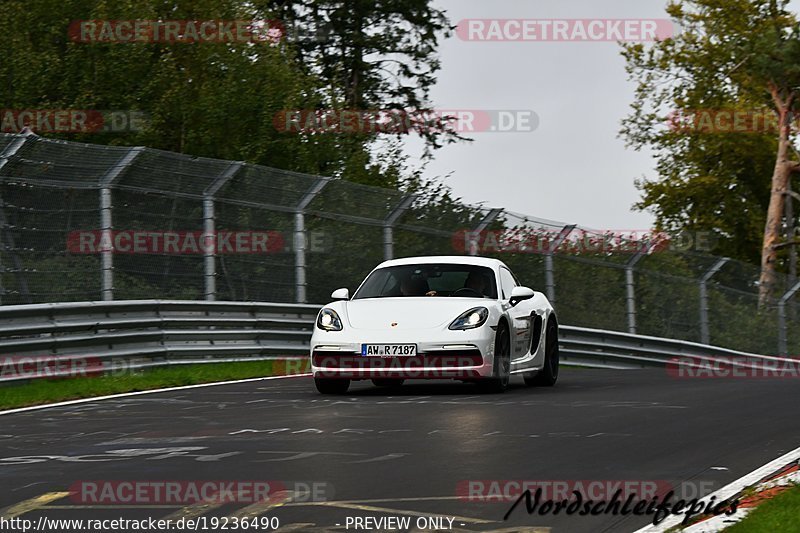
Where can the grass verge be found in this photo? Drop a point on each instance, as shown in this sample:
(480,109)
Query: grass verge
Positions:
(780,513)
(42,391)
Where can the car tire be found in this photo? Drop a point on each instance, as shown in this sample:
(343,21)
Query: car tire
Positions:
(332,385)
(501,371)
(548,375)
(388,382)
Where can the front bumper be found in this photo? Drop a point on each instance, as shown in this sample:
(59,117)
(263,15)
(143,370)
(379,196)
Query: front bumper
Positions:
(453,354)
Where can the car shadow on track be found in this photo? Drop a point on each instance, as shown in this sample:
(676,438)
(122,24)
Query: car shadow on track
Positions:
(436,388)
(569,381)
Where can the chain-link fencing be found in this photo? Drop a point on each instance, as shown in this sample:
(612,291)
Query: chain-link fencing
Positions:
(85,222)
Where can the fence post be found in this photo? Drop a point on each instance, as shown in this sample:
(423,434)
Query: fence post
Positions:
(705,335)
(549,277)
(209,230)
(790,231)
(15,147)
(300,239)
(490,217)
(630,291)
(106,223)
(390,221)
(783,342)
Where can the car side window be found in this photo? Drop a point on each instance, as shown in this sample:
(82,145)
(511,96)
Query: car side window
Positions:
(507,282)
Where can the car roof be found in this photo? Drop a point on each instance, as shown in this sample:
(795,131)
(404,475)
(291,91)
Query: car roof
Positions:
(490,262)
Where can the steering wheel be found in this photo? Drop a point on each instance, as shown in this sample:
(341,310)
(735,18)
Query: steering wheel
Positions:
(466,291)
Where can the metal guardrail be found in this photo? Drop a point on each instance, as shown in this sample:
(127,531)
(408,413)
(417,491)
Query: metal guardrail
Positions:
(145,333)
(614,349)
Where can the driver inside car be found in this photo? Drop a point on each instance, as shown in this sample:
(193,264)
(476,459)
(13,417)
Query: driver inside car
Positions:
(476,282)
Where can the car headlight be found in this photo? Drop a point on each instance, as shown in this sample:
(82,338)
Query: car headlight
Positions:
(474,318)
(329,320)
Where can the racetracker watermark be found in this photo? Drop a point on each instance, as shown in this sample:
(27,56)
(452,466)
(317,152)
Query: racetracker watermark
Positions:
(595,496)
(582,30)
(176,31)
(194,242)
(398,121)
(73,120)
(15,367)
(734,367)
(509,490)
(174,242)
(173,492)
(726,121)
(428,366)
(578,241)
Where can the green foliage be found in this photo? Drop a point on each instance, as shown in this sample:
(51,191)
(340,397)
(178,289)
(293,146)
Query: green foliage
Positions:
(775,514)
(372,54)
(207,99)
(221,99)
(729,55)
(43,391)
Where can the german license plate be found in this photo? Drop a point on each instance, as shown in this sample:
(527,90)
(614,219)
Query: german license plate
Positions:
(388,350)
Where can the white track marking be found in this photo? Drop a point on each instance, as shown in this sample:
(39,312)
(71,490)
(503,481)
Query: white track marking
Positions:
(718,523)
(730,490)
(140,393)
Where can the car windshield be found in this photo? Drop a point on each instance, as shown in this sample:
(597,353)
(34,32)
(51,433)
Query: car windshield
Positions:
(433,279)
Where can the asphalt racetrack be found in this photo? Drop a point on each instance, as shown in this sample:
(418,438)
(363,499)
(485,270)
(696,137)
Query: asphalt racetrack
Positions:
(406,452)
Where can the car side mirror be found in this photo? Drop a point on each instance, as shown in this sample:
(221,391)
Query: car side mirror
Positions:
(341,294)
(519,294)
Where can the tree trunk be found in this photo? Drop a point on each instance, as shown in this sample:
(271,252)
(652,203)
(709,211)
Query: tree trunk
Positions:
(355,93)
(790,238)
(772,229)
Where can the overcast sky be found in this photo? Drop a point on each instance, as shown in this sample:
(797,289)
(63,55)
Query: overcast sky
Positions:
(573,167)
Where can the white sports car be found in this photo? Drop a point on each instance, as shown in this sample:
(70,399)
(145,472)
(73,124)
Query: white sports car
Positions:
(458,317)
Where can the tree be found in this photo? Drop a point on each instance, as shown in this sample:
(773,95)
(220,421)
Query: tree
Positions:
(731,54)
(206,99)
(374,56)
(221,99)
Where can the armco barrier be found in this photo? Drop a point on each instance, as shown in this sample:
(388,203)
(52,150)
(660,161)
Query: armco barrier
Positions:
(146,333)
(614,349)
